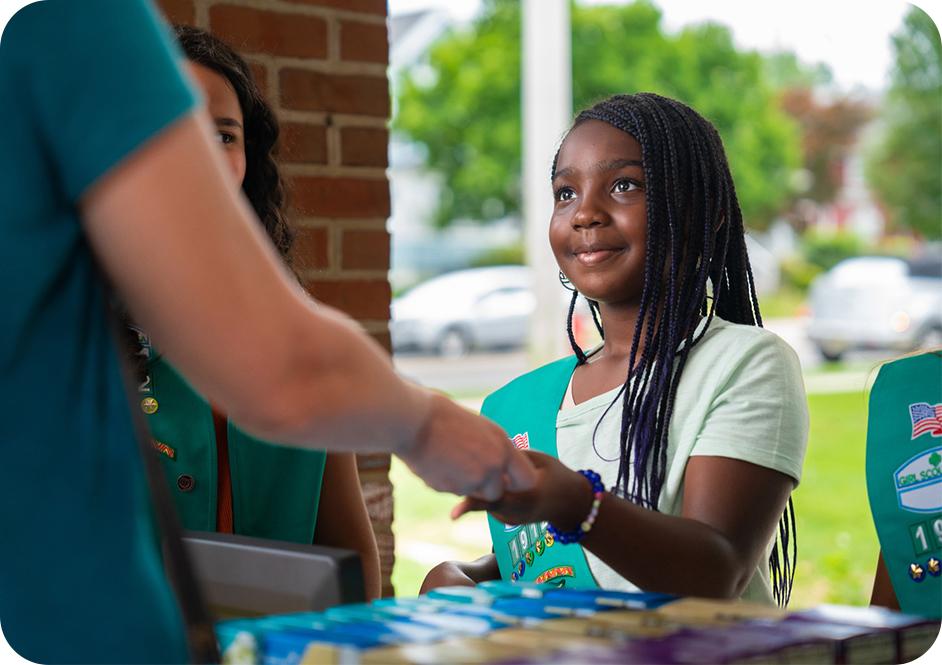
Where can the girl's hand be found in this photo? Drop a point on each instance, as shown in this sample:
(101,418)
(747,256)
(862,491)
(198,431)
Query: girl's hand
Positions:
(447,573)
(560,496)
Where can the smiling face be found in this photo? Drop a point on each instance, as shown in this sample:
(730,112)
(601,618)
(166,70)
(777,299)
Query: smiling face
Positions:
(223,106)
(598,229)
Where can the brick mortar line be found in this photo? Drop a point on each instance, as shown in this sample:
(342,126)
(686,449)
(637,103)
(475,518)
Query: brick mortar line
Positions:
(315,170)
(307,10)
(346,224)
(318,65)
(338,274)
(339,120)
(333,40)
(375,326)
(328,66)
(335,255)
(334,147)
(201,13)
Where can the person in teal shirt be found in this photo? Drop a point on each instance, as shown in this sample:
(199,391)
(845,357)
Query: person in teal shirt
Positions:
(81,576)
(108,160)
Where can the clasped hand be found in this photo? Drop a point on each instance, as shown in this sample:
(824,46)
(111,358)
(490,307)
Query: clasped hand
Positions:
(559,495)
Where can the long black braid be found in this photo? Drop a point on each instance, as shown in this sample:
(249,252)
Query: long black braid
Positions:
(696,239)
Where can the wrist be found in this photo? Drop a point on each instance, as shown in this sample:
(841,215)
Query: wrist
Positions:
(565,532)
(573,503)
(419,404)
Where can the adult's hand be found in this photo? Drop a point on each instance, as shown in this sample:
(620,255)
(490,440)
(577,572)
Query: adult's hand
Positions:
(460,452)
(558,495)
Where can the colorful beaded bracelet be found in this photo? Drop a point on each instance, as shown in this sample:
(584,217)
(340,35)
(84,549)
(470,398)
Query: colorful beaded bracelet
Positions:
(598,491)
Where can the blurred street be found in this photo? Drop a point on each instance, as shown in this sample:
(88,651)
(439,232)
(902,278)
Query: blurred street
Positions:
(476,374)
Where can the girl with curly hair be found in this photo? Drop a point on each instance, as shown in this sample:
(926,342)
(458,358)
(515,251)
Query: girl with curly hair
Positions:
(221,478)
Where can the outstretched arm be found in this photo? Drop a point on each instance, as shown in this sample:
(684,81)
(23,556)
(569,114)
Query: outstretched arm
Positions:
(196,271)
(730,511)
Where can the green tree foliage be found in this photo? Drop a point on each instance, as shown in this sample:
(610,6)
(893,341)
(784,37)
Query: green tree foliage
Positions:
(906,168)
(467,113)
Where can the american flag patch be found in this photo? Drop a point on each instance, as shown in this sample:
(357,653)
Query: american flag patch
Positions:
(927,419)
(521,441)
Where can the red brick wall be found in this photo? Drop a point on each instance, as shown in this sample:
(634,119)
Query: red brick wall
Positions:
(322,66)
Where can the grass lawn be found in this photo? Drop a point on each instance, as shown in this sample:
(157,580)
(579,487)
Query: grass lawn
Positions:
(837,544)
(784,303)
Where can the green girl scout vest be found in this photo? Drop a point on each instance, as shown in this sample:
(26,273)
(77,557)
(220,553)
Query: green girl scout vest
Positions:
(526,408)
(275,489)
(904,478)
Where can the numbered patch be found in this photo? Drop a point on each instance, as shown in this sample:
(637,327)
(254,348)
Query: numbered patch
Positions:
(926,536)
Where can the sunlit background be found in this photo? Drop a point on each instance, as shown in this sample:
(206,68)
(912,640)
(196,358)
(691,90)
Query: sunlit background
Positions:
(832,120)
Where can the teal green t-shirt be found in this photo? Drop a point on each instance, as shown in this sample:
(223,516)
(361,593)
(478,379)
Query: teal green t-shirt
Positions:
(83,85)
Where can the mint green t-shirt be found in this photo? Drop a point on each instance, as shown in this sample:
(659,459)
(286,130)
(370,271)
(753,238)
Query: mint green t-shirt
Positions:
(741,396)
(83,85)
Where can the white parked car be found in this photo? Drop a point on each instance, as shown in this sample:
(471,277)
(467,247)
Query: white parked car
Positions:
(877,302)
(480,308)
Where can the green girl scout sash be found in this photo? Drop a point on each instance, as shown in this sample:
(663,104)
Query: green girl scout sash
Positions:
(275,489)
(526,408)
(904,478)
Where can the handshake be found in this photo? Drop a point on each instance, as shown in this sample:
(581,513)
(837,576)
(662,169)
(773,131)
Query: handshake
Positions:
(459,452)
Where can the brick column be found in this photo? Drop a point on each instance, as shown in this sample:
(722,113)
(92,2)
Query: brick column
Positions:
(322,66)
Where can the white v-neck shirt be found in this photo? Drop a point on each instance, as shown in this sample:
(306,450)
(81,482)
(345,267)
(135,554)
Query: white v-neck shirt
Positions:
(741,396)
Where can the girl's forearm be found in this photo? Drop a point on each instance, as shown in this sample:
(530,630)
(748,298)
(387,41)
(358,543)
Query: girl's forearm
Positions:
(666,553)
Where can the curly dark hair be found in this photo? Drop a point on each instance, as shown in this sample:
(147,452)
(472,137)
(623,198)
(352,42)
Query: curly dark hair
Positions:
(262,184)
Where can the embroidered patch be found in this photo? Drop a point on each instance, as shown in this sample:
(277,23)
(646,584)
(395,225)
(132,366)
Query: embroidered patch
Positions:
(164,449)
(521,441)
(918,481)
(927,419)
(558,571)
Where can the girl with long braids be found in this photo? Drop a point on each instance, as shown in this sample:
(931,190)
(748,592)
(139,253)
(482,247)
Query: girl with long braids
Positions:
(221,478)
(688,423)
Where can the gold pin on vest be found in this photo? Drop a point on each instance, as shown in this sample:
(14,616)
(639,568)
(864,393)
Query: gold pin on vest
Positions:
(149,405)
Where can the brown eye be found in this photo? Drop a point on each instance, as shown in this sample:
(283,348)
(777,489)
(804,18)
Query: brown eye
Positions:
(624,185)
(564,194)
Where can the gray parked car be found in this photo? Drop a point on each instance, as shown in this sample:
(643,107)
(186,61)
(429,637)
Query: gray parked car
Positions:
(480,308)
(877,302)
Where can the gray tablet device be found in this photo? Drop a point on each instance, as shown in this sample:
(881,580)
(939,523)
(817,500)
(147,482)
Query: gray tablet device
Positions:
(244,577)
